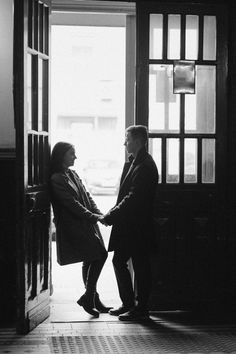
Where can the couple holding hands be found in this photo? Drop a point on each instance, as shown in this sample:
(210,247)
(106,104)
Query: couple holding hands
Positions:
(78,237)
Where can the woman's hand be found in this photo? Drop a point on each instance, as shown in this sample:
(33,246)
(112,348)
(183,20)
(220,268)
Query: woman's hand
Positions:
(102,220)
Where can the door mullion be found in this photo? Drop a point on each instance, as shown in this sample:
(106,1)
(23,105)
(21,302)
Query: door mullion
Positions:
(163,160)
(199,160)
(200,44)
(181,159)
(181,151)
(182,40)
(165,36)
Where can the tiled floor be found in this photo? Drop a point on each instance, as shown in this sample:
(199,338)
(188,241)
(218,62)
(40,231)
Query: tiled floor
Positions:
(71,330)
(166,332)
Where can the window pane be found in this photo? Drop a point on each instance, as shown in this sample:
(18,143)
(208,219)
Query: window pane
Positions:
(41,25)
(208,160)
(209,38)
(29,91)
(192,33)
(40,95)
(172,163)
(173,37)
(190,160)
(30,160)
(45,95)
(155,151)
(46,30)
(35,23)
(30,19)
(164,106)
(200,107)
(156,36)
(35,160)
(41,159)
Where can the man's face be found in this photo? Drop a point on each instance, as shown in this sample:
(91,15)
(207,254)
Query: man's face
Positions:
(130,143)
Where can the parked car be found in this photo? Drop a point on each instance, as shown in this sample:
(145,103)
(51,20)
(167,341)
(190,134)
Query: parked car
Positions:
(102,176)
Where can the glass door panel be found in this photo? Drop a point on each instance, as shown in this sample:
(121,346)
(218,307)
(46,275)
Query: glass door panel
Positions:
(41,27)
(44,95)
(172,163)
(190,149)
(40,94)
(190,160)
(164,106)
(208,160)
(30,160)
(156,36)
(209,38)
(182,125)
(191,37)
(173,37)
(155,149)
(35,30)
(29,91)
(200,107)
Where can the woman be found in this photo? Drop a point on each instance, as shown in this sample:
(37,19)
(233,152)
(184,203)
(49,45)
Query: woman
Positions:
(76,215)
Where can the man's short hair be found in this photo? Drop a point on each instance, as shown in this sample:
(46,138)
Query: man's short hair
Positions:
(138,132)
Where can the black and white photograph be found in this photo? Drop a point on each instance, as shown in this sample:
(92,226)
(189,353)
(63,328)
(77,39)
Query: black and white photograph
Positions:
(118,176)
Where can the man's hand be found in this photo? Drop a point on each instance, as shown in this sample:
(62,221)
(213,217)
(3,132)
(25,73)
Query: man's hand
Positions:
(102,220)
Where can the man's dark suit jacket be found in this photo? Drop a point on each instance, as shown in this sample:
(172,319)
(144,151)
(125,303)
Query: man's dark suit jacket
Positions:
(132,217)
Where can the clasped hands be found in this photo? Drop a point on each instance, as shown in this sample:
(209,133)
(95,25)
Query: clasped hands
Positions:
(101,219)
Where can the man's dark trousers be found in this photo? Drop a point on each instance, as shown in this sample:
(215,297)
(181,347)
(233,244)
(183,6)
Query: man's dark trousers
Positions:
(141,266)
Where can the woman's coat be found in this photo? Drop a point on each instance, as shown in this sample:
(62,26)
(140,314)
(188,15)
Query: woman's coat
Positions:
(77,234)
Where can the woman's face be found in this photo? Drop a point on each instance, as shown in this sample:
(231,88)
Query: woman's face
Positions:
(69,158)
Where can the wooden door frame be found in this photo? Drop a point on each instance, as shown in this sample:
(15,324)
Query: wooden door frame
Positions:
(27,317)
(216,191)
(18,91)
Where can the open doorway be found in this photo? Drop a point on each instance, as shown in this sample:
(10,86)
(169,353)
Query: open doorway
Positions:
(88,109)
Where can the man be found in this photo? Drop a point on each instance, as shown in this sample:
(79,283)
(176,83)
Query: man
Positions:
(132,232)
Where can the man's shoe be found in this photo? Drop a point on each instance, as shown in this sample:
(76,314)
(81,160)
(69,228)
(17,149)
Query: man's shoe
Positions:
(134,315)
(120,310)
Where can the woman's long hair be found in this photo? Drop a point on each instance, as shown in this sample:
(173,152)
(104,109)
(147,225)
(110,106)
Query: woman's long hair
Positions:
(57,156)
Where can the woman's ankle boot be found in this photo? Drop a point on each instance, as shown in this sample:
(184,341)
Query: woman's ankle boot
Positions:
(99,305)
(87,302)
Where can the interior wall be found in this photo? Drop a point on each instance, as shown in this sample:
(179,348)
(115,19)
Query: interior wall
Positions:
(7,167)
(7,131)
